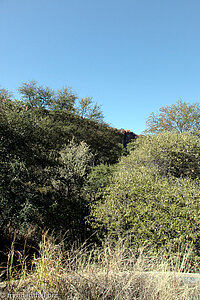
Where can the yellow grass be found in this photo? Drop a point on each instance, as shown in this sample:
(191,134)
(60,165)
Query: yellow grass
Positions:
(113,272)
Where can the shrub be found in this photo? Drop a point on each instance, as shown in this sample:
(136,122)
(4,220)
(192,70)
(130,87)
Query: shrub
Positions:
(171,153)
(158,207)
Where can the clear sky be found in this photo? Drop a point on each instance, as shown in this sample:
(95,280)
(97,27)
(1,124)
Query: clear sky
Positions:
(131,56)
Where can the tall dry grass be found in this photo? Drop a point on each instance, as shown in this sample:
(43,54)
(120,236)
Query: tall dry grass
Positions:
(112,272)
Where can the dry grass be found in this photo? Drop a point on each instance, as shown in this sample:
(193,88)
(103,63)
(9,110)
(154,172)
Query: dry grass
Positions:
(109,273)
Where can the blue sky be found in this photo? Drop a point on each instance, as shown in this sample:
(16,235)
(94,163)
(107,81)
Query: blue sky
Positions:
(131,56)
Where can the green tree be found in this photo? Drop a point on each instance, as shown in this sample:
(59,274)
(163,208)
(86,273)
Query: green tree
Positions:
(88,109)
(5,94)
(36,96)
(178,117)
(67,205)
(64,99)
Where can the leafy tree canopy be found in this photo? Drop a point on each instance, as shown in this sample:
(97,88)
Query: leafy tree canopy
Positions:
(173,154)
(89,110)
(178,117)
(64,99)
(35,96)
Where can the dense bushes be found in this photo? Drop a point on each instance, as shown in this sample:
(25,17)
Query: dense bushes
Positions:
(154,194)
(45,158)
(60,171)
(172,154)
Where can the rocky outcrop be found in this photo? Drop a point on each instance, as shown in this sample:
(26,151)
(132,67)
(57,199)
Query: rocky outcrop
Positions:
(126,136)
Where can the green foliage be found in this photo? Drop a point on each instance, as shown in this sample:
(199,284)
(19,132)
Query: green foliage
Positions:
(172,154)
(38,96)
(75,158)
(44,190)
(89,110)
(64,99)
(56,163)
(62,126)
(178,117)
(65,193)
(56,113)
(23,156)
(158,207)
(97,180)
(34,95)
(46,154)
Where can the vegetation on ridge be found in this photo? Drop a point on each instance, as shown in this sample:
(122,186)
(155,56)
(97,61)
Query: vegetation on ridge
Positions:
(45,156)
(63,169)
